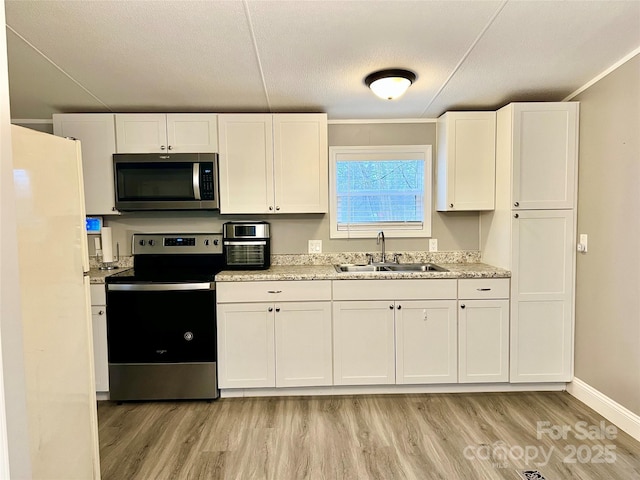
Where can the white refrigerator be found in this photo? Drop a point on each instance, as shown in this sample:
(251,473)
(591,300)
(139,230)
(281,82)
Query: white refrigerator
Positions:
(55,304)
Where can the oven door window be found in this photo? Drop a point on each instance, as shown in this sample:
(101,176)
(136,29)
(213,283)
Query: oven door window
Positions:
(161,326)
(144,181)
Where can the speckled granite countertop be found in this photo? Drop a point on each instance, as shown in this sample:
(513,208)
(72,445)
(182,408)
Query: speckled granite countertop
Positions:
(328,272)
(98,276)
(460,264)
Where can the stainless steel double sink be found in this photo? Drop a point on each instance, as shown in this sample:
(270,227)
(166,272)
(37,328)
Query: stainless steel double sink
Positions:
(390,267)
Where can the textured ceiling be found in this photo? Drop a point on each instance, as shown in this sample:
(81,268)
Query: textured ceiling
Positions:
(306,55)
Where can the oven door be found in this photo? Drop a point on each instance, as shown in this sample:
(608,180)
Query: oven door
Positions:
(161,323)
(161,341)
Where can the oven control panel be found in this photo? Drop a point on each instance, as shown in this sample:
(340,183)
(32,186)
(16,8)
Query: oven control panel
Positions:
(172,243)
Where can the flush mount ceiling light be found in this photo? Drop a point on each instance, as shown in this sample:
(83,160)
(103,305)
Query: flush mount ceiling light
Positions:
(390,84)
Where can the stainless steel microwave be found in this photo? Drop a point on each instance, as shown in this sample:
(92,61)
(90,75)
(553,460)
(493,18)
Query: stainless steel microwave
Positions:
(157,181)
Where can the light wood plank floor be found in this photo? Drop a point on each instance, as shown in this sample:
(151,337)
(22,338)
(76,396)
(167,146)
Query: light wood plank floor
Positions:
(435,436)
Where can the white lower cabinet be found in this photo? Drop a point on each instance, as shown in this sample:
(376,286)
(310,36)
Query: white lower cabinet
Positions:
(542,296)
(303,344)
(363,339)
(483,330)
(246,347)
(409,339)
(362,332)
(99,324)
(279,343)
(426,342)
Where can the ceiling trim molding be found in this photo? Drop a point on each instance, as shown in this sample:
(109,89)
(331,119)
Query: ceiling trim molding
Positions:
(54,64)
(466,55)
(31,121)
(599,77)
(247,14)
(363,121)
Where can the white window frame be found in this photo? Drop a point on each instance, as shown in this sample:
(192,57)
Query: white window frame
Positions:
(382,152)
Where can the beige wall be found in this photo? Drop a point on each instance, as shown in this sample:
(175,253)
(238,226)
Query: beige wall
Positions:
(608,276)
(290,233)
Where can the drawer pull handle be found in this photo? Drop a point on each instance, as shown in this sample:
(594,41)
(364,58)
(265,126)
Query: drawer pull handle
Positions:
(101,312)
(483,289)
(274,291)
(463,306)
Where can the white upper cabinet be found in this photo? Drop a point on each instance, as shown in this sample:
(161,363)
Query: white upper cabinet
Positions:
(96,132)
(466,161)
(544,151)
(173,133)
(273,163)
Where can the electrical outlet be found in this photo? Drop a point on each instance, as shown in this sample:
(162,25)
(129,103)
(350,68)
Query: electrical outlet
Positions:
(433,244)
(315,246)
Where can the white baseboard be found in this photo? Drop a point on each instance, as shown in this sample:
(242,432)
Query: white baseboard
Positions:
(391,389)
(620,416)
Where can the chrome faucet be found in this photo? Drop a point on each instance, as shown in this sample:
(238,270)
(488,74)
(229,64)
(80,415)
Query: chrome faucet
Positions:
(378,240)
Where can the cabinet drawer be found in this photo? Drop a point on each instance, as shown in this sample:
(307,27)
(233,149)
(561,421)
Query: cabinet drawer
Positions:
(285,291)
(419,289)
(475,288)
(98,294)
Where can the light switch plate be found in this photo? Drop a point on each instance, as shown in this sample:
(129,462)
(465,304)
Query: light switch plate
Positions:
(315,246)
(583,244)
(433,245)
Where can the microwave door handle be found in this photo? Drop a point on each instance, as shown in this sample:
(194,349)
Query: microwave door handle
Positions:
(196,181)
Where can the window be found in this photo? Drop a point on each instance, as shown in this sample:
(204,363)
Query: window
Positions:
(380,188)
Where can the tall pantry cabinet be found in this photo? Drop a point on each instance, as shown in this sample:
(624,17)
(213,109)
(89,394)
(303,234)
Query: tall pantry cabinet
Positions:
(532,233)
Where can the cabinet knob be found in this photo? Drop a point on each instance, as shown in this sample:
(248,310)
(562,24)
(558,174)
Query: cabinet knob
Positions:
(270,208)
(516,216)
(399,307)
(100,312)
(162,147)
(451,205)
(463,306)
(516,204)
(169,147)
(114,209)
(277,309)
(271,309)
(391,307)
(277,208)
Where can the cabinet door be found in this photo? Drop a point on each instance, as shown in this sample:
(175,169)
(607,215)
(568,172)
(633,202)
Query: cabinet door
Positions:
(301,172)
(466,161)
(97,135)
(246,163)
(545,151)
(542,293)
(303,344)
(483,334)
(426,342)
(141,133)
(363,342)
(246,355)
(100,357)
(192,133)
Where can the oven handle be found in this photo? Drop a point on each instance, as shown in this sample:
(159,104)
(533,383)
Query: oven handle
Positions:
(241,243)
(160,287)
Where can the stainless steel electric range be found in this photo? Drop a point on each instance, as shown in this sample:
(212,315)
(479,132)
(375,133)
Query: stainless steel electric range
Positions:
(161,319)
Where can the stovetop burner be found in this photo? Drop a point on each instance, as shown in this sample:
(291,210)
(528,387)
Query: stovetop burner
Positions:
(173,258)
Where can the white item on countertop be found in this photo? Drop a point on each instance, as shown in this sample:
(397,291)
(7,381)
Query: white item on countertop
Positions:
(107,245)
